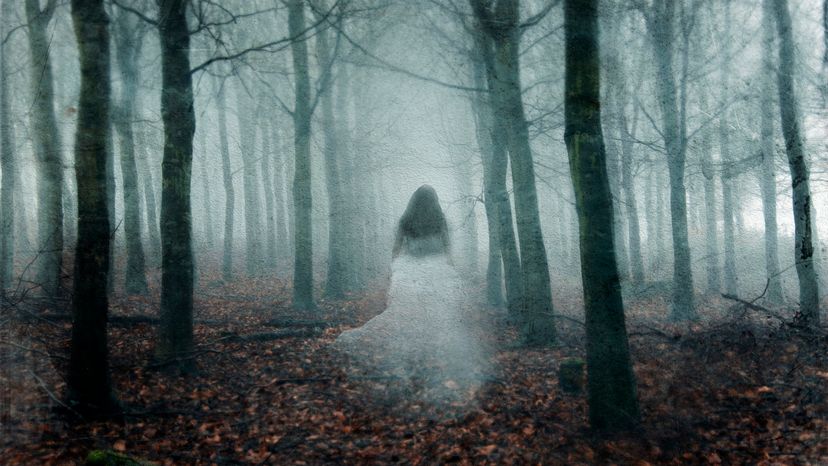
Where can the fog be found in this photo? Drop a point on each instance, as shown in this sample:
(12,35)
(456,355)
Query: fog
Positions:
(597,163)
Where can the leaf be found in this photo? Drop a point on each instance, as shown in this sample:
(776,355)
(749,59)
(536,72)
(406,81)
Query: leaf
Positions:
(487,450)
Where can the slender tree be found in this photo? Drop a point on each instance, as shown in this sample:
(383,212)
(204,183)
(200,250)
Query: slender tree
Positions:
(661,25)
(302,200)
(229,189)
(501,23)
(128,42)
(250,179)
(265,127)
(495,166)
(800,178)
(337,265)
(45,138)
(612,395)
(767,181)
(175,332)
(89,386)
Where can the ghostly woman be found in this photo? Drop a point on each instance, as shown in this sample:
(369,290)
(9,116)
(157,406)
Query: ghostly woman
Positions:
(424,334)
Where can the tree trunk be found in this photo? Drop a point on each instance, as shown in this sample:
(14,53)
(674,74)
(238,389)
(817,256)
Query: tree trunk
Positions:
(279,183)
(484,127)
(175,335)
(245,110)
(613,167)
(89,385)
(270,197)
(728,179)
(151,206)
(128,48)
(730,277)
(498,168)
(711,224)
(768,175)
(207,201)
(343,135)
(660,24)
(628,185)
(612,398)
(537,327)
(803,225)
(229,190)
(7,163)
(303,231)
(110,202)
(334,284)
(45,141)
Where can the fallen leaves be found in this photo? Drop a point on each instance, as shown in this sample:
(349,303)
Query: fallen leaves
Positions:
(710,396)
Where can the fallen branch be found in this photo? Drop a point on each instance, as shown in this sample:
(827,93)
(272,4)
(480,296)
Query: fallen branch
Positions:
(299,323)
(756,307)
(270,336)
(130,319)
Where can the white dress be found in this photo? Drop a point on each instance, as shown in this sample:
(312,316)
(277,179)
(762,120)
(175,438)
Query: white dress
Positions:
(424,334)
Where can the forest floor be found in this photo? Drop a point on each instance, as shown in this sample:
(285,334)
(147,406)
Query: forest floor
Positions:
(739,388)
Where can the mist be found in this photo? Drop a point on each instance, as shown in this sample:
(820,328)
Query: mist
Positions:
(423,212)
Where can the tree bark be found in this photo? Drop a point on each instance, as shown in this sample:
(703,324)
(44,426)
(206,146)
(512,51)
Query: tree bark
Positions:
(270,197)
(229,189)
(800,178)
(245,111)
(711,224)
(502,26)
(128,47)
(89,385)
(768,175)
(302,200)
(613,404)
(207,201)
(628,186)
(728,180)
(497,176)
(45,141)
(279,183)
(337,266)
(175,336)
(484,127)
(150,204)
(660,24)
(7,163)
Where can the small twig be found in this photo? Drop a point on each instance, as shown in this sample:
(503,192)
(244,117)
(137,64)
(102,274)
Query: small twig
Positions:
(52,395)
(33,350)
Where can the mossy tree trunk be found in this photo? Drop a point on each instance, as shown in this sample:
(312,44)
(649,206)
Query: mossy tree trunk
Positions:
(175,332)
(89,386)
(613,404)
(800,178)
(7,162)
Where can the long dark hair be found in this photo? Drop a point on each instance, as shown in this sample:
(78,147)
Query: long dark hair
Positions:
(422,218)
